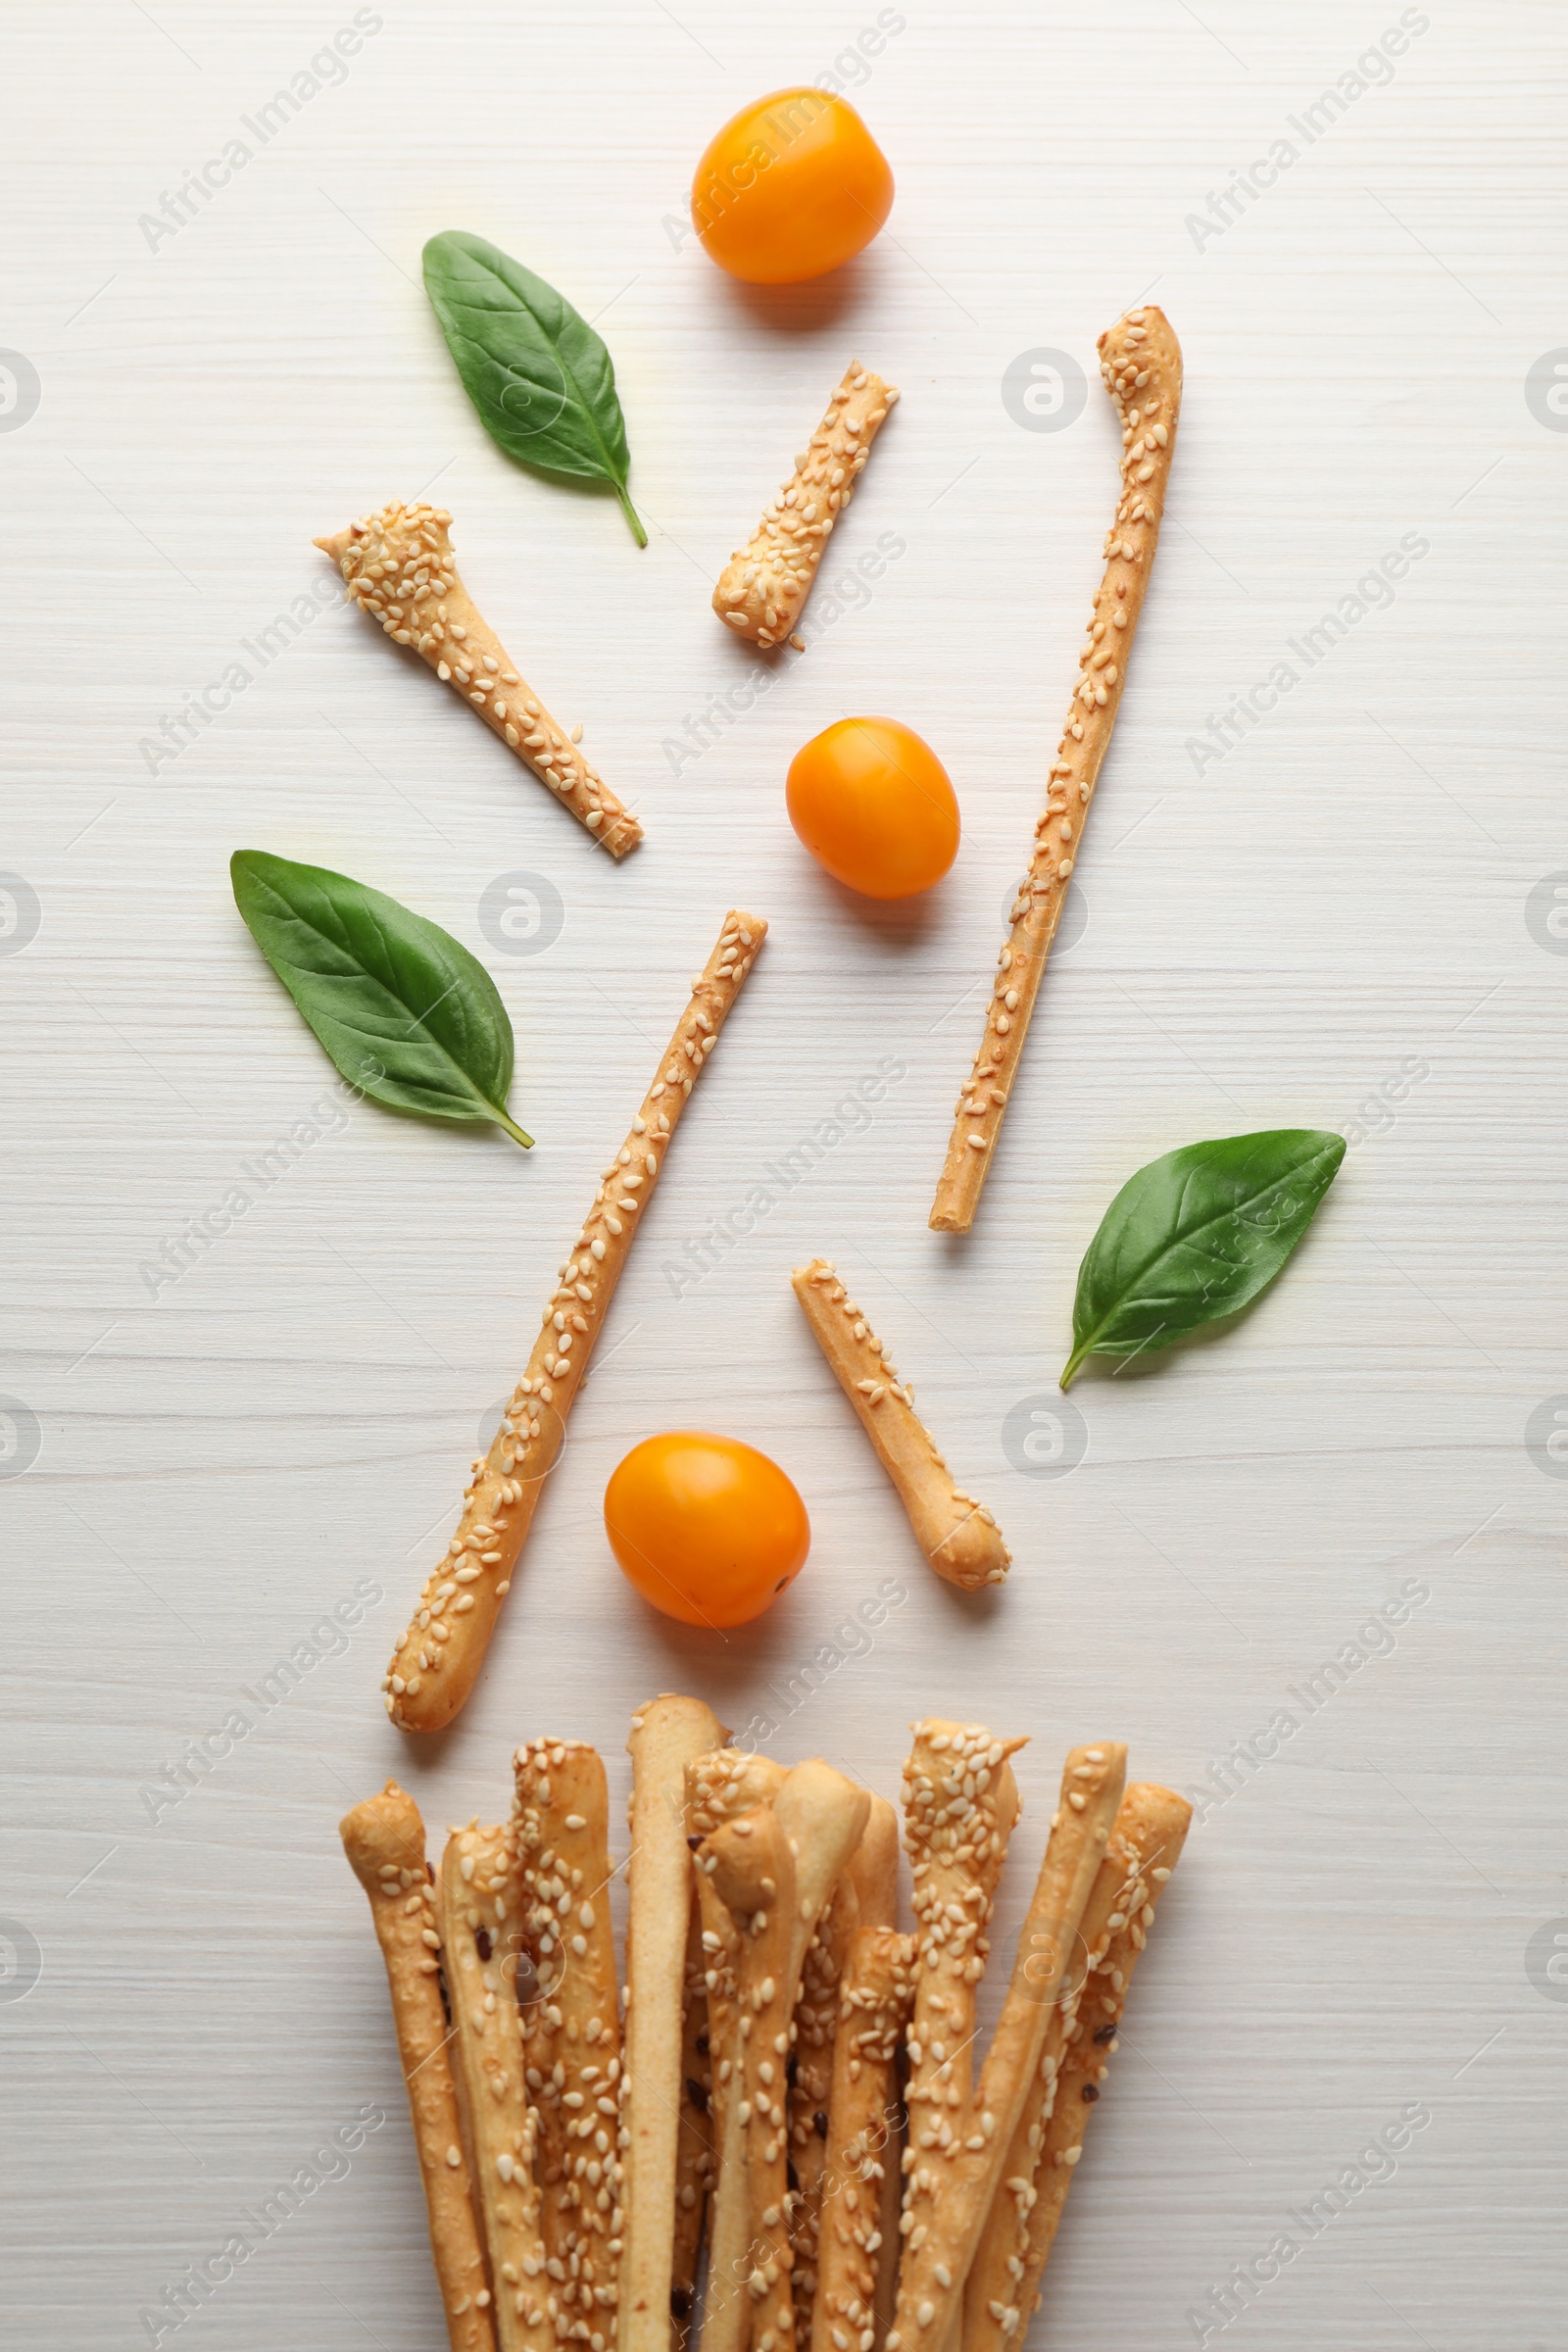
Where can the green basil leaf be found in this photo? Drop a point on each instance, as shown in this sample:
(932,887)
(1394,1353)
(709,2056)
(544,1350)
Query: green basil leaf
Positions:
(1196,1235)
(541,380)
(405,1013)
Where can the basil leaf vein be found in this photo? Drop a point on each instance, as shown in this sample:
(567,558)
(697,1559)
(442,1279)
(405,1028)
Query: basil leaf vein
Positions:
(408,1015)
(1197,1235)
(543,382)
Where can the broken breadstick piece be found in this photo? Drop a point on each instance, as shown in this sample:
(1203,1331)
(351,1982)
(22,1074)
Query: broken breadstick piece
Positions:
(385,1841)
(480,1899)
(562,1825)
(1003,2283)
(958,1535)
(956,2157)
(1141,362)
(666,1734)
(400,569)
(764,584)
(437,1660)
(750,1865)
(876,1999)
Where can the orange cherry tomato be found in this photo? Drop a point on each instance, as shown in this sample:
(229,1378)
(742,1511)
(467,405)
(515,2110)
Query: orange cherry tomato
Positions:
(872,803)
(790,187)
(708,1530)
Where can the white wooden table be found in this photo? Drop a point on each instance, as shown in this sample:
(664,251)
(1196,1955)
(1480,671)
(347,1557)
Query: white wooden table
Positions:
(1338,922)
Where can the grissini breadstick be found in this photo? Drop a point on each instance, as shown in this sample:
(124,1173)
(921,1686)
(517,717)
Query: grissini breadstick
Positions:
(562,1827)
(437,1660)
(958,1535)
(1141,362)
(480,1901)
(400,569)
(385,1841)
(696,2154)
(875,2000)
(874,1868)
(751,1868)
(666,1734)
(720,1788)
(764,584)
(954,2159)
(815,2032)
(1004,2283)
(865,1897)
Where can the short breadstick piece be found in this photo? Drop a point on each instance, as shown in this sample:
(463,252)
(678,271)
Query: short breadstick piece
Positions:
(385,1841)
(562,1826)
(400,569)
(437,1661)
(875,1998)
(764,584)
(752,1871)
(1141,362)
(1003,2285)
(955,2159)
(958,1535)
(666,1734)
(481,1918)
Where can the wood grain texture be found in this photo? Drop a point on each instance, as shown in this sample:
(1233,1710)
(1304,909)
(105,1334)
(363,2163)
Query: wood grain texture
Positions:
(1331,924)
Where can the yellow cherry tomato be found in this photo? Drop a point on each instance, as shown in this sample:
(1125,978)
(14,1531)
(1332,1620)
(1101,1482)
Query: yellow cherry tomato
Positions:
(706,1529)
(790,187)
(872,803)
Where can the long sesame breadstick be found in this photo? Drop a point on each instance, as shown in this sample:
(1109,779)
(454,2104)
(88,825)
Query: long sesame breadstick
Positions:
(560,1823)
(749,1864)
(696,2149)
(875,2000)
(720,1788)
(955,2159)
(437,1660)
(958,1535)
(1141,362)
(764,584)
(400,569)
(385,1841)
(1004,2283)
(480,1903)
(666,1734)
(874,1868)
(816,2029)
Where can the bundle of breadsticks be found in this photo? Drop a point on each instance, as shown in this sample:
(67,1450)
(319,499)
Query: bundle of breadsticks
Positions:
(780,2125)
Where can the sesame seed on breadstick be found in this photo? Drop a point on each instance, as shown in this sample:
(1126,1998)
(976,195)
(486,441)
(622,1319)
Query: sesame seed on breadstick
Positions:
(765,583)
(480,1905)
(955,2159)
(400,569)
(748,1863)
(437,1660)
(1141,362)
(385,1841)
(875,1998)
(562,1826)
(958,1535)
(666,1733)
(1004,2283)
